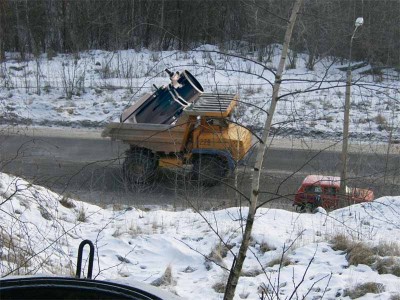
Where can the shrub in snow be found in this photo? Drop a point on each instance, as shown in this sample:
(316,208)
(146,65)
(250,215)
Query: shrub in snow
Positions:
(265,247)
(388,265)
(166,279)
(282,261)
(364,288)
(216,256)
(356,252)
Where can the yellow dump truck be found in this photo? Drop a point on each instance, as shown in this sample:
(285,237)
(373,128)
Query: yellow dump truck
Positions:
(198,132)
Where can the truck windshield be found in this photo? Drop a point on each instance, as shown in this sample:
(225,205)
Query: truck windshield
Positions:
(313,189)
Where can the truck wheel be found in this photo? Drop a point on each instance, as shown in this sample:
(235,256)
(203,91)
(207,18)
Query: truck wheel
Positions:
(300,208)
(208,170)
(139,166)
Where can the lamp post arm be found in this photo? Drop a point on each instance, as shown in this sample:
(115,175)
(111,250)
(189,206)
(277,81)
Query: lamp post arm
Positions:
(351,47)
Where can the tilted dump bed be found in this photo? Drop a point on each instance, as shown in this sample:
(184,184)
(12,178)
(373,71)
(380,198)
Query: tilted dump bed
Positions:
(170,138)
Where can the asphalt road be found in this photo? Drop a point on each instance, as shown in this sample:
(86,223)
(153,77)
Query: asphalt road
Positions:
(88,168)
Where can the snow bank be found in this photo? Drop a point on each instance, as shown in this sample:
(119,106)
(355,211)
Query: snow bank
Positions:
(41,230)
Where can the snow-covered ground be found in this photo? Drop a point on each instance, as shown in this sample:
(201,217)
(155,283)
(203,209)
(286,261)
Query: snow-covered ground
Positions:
(140,245)
(92,88)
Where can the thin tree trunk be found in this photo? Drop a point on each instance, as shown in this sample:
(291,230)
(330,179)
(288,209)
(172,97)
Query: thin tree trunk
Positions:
(388,153)
(65,39)
(3,13)
(239,260)
(28,38)
(162,32)
(18,38)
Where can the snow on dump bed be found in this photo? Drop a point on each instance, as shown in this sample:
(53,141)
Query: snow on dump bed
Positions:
(41,230)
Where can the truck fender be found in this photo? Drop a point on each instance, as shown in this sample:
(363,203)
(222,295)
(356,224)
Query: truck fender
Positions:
(222,153)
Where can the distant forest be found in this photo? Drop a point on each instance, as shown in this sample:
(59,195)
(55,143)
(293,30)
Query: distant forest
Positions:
(324,27)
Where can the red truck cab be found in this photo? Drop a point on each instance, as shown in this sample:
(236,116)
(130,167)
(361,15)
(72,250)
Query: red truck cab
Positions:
(325,189)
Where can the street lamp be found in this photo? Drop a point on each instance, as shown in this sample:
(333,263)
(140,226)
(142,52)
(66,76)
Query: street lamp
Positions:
(343,175)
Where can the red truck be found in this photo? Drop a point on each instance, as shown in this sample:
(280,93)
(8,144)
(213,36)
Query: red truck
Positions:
(319,190)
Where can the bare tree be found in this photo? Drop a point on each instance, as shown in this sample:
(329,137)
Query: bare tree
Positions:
(239,260)
(3,24)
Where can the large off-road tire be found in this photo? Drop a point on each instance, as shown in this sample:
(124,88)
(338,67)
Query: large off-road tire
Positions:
(209,170)
(139,166)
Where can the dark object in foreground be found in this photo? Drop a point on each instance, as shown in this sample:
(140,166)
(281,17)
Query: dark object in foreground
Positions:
(67,288)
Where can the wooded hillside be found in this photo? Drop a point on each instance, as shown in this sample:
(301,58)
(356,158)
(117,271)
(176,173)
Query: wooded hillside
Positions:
(323,28)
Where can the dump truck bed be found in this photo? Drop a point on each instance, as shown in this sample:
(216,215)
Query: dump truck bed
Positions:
(158,137)
(170,138)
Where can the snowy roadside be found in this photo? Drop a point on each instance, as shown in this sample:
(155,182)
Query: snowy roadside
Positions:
(46,92)
(133,244)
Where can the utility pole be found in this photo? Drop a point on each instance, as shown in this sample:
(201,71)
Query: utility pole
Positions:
(346,120)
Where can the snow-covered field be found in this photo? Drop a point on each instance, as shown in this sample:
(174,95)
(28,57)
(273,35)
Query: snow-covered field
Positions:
(92,88)
(141,245)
